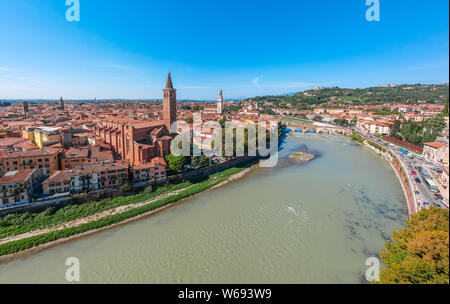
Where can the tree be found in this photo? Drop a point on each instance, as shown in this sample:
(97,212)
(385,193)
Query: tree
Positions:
(127,187)
(198,108)
(204,161)
(419,253)
(148,189)
(436,124)
(317,118)
(396,129)
(445,111)
(176,163)
(189,120)
(195,161)
(222,122)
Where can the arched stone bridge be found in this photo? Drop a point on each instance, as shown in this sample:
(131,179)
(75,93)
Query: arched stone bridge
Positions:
(318,129)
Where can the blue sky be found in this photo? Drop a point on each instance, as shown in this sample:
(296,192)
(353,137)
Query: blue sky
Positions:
(124,48)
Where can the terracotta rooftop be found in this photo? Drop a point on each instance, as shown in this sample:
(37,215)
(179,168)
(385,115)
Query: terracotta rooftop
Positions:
(44,152)
(437,145)
(76,153)
(16,176)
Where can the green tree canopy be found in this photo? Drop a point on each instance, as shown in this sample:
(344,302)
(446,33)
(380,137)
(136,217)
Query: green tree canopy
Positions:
(176,163)
(419,253)
(445,112)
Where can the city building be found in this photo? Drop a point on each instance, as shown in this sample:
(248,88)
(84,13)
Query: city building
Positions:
(46,159)
(436,152)
(150,173)
(74,157)
(88,177)
(43,136)
(444,177)
(373,127)
(139,141)
(18,187)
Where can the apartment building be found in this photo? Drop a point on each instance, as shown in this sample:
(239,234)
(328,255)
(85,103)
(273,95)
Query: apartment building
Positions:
(88,177)
(150,173)
(74,157)
(45,159)
(18,187)
(436,152)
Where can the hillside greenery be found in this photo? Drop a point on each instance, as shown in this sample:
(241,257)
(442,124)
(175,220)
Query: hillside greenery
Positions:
(404,94)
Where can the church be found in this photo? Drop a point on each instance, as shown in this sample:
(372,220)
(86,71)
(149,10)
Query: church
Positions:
(138,141)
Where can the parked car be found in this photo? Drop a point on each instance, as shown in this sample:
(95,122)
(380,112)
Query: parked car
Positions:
(417,192)
(413,172)
(438,196)
(439,171)
(418,180)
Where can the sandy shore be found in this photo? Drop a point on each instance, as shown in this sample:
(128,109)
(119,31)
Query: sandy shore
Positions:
(78,222)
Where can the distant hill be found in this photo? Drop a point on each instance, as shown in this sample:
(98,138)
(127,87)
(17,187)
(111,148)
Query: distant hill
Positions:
(404,94)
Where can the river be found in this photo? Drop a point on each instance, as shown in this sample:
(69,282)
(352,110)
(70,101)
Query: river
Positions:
(296,223)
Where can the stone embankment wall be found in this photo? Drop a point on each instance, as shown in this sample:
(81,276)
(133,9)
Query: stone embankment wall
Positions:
(401,174)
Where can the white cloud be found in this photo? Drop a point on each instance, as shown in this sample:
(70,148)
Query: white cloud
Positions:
(256,81)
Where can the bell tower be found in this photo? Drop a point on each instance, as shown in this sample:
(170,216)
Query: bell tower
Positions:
(169,104)
(220,103)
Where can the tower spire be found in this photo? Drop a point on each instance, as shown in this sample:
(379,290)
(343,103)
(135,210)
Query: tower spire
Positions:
(169,82)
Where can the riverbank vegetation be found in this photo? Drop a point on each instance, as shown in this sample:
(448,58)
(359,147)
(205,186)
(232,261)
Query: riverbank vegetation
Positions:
(377,146)
(16,224)
(201,185)
(419,253)
(356,137)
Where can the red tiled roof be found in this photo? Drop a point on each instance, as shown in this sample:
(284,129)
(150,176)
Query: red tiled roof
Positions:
(16,176)
(437,145)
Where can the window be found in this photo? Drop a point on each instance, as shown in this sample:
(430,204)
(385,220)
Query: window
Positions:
(128,144)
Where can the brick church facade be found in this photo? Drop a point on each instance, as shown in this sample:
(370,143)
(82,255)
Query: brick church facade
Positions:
(138,141)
